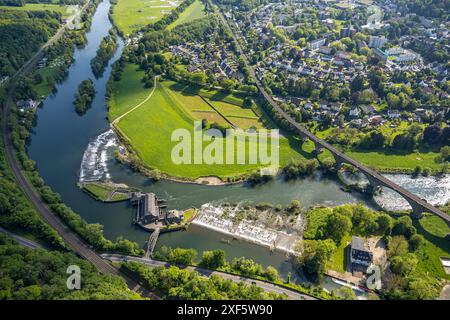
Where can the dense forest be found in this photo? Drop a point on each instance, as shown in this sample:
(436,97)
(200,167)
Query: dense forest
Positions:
(22,34)
(28,274)
(21,3)
(84,96)
(105,52)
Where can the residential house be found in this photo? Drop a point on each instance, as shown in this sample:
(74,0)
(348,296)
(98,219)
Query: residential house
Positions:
(360,256)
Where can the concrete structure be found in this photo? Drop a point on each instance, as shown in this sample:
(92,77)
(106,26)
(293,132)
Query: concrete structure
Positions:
(376,42)
(316,44)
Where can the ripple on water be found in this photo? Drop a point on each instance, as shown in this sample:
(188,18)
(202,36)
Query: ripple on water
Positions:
(436,190)
(95,158)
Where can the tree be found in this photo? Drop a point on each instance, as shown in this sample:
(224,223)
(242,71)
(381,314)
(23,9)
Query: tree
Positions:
(404,265)
(432,134)
(357,83)
(271,273)
(346,293)
(373,140)
(403,226)
(213,259)
(423,288)
(445,153)
(398,246)
(178,255)
(337,226)
(393,101)
(247,267)
(227,84)
(314,254)
(416,241)
(385,224)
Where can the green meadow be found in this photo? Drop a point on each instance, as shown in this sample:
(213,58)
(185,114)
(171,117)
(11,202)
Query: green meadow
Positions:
(195,11)
(389,160)
(131,15)
(62,9)
(173,106)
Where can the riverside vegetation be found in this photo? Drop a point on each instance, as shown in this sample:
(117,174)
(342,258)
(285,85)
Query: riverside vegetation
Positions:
(105,52)
(84,96)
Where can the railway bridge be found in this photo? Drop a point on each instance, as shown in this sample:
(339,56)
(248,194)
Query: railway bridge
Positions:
(375,179)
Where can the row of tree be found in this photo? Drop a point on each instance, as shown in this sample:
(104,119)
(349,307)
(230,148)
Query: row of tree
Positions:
(176,283)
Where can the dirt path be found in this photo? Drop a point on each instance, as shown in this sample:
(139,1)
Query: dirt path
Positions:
(138,105)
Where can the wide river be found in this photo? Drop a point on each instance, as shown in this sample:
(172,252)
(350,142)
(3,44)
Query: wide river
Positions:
(61,137)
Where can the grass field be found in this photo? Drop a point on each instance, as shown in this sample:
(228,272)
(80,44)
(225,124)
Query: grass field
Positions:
(194,11)
(436,246)
(396,161)
(62,9)
(98,191)
(389,160)
(435,226)
(131,15)
(149,127)
(338,261)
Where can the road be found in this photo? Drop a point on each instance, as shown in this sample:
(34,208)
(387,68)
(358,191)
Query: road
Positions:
(21,240)
(70,237)
(269,287)
(418,204)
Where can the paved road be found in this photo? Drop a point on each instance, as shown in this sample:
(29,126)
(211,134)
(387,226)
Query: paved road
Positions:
(21,240)
(72,239)
(417,203)
(293,295)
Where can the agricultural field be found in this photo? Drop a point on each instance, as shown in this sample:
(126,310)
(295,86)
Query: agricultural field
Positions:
(131,15)
(62,9)
(194,11)
(149,127)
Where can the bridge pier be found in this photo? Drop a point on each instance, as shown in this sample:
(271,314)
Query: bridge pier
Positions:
(417,210)
(338,161)
(374,186)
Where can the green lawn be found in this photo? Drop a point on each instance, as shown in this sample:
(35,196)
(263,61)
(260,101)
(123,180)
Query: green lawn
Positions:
(127,93)
(389,160)
(62,9)
(435,226)
(433,229)
(396,161)
(149,127)
(97,190)
(194,11)
(131,15)
(338,259)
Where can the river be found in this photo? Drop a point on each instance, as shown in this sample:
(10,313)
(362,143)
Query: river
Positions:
(61,137)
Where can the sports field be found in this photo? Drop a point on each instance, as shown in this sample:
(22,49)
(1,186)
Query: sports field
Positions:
(195,11)
(149,128)
(131,15)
